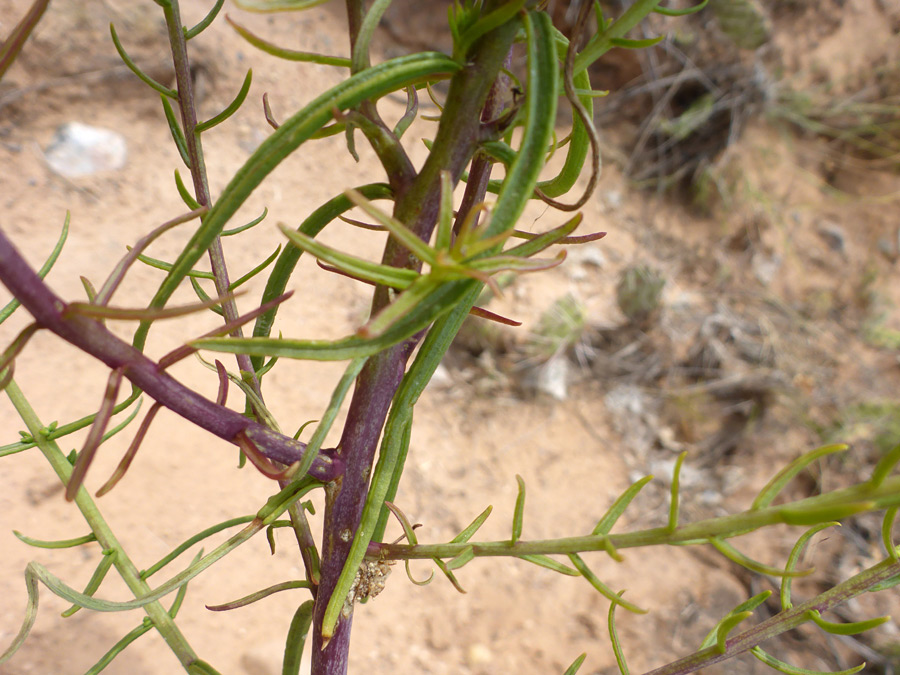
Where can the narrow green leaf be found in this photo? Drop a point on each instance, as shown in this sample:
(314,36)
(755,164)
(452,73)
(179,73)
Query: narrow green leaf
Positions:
(625,43)
(681,12)
(603,40)
(183,192)
(369,84)
(887,528)
(519,512)
(145,627)
(350,264)
(466,556)
(604,590)
(884,467)
(745,607)
(409,116)
(360,56)
(788,669)
(575,665)
(853,628)
(417,582)
(539,115)
(204,296)
(794,558)
(473,527)
(536,244)
(725,626)
(61,543)
(234,285)
(31,608)
(185,545)
(139,313)
(736,556)
(259,595)
(287,54)
(408,529)
(580,142)
(606,523)
(243,228)
(614,637)
(133,67)
(266,6)
(18,344)
(93,584)
(444,235)
(405,304)
(507,11)
(10,48)
(205,22)
(767,495)
(296,638)
(230,109)
(201,667)
(285,264)
(449,574)
(550,564)
(400,231)
(13,304)
(673,500)
(330,414)
(166,266)
(177,133)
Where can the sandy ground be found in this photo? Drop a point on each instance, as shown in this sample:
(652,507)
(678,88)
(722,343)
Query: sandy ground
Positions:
(479,425)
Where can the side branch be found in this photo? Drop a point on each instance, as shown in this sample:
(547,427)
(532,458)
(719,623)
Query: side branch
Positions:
(93,338)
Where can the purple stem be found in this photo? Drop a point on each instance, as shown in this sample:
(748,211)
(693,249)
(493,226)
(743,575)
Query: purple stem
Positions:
(418,206)
(93,338)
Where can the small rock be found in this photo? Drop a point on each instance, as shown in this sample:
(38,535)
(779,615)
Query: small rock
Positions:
(833,235)
(765,267)
(552,378)
(613,199)
(80,150)
(589,256)
(479,655)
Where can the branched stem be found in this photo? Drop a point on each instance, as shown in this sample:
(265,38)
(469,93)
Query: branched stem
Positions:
(187,104)
(784,621)
(417,207)
(93,338)
(820,508)
(105,536)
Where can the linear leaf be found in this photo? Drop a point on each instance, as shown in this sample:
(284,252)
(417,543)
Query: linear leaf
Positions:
(473,527)
(519,512)
(604,590)
(296,638)
(607,522)
(783,477)
(368,84)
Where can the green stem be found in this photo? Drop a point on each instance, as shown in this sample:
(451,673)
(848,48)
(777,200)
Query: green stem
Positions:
(187,104)
(822,508)
(783,621)
(105,536)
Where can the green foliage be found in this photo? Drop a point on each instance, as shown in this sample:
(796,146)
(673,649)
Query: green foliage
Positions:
(440,253)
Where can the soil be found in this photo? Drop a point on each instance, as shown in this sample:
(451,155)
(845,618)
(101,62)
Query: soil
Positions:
(775,333)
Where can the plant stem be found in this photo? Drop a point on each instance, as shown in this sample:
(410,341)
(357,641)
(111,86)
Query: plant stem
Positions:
(821,508)
(187,104)
(454,145)
(105,536)
(783,621)
(93,338)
